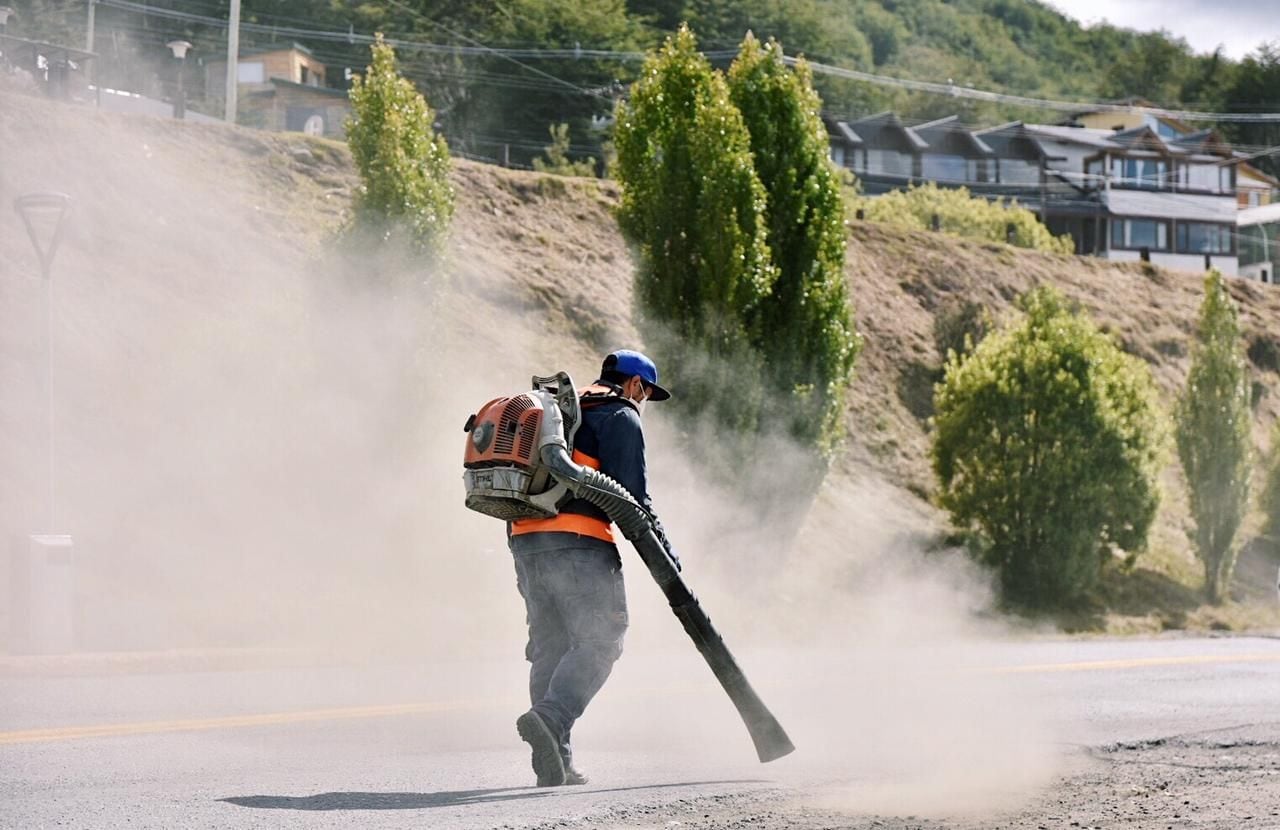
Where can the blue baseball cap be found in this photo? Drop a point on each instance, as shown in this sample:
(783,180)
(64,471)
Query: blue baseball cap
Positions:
(629,363)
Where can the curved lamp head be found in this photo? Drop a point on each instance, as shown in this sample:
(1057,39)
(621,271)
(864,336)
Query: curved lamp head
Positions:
(179,48)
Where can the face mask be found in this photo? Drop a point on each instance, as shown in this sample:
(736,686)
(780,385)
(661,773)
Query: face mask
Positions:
(641,402)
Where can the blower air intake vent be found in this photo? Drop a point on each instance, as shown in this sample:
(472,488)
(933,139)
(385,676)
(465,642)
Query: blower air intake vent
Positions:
(506,509)
(509,424)
(527,436)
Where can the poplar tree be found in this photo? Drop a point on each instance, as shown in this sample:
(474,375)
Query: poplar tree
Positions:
(804,331)
(693,208)
(1213,434)
(404,195)
(1271,493)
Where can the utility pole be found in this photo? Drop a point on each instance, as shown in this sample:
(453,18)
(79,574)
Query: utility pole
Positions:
(91,70)
(233,56)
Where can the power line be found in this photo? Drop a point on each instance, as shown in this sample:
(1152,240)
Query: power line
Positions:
(515,56)
(352,37)
(477,43)
(1042,103)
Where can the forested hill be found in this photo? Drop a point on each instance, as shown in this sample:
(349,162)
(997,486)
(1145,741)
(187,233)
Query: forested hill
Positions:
(488,99)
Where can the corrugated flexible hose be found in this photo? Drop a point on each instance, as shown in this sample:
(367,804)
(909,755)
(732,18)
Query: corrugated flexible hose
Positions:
(771,741)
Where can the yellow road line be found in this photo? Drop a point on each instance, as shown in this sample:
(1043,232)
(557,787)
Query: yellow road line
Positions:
(65,733)
(1141,662)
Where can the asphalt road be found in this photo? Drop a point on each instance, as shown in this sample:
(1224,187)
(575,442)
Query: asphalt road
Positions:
(1011,733)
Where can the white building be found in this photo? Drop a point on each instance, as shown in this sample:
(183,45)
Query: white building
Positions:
(1133,191)
(1172,200)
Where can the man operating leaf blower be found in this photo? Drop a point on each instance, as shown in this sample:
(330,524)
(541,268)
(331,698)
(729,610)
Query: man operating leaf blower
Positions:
(560,465)
(570,574)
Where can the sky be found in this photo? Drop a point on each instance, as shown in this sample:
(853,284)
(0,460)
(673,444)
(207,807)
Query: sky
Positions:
(1238,25)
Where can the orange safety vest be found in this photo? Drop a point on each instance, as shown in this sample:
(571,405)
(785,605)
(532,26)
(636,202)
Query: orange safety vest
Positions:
(571,522)
(568,522)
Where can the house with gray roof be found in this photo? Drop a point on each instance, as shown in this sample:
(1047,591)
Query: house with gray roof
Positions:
(1126,193)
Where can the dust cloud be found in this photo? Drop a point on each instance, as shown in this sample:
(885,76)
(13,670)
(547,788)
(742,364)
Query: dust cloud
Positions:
(877,652)
(252,449)
(258,446)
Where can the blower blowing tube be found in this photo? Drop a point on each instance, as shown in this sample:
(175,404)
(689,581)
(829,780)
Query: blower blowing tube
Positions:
(767,734)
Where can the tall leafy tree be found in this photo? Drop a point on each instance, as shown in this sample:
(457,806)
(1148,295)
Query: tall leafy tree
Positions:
(804,332)
(55,21)
(1255,85)
(513,103)
(1156,67)
(694,208)
(1214,437)
(1271,492)
(405,195)
(1046,444)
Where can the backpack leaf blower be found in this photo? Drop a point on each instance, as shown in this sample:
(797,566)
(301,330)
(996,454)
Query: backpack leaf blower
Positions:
(518,465)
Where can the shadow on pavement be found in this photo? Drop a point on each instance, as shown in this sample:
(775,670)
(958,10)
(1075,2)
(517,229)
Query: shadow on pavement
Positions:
(421,801)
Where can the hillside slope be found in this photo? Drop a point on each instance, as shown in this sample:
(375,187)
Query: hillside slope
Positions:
(256,439)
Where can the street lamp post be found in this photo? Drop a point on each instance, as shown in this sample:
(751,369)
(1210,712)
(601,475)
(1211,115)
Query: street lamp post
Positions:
(5,14)
(44,584)
(179,49)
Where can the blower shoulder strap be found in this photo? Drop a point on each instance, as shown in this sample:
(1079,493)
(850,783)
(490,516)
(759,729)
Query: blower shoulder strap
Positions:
(600,393)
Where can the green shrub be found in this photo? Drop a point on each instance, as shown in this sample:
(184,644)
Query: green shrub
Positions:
(1214,435)
(1046,444)
(558,161)
(1271,493)
(962,215)
(693,208)
(804,331)
(405,196)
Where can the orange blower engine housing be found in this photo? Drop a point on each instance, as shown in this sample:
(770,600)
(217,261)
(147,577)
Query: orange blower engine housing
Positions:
(502,469)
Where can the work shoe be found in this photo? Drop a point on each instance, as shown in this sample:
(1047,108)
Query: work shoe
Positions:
(571,775)
(547,764)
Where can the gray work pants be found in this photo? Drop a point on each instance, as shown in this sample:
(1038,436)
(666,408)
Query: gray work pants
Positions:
(577,613)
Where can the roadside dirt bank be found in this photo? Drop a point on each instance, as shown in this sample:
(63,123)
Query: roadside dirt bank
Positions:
(1221,780)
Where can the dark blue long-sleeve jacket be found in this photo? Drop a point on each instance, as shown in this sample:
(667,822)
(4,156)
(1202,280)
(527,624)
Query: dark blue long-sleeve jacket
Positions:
(612,434)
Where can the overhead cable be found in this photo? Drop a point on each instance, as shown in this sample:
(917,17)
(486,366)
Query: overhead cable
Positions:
(516,56)
(957,91)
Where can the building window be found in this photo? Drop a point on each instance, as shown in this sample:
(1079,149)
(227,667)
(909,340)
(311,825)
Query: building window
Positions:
(1095,170)
(1209,178)
(941,168)
(1016,171)
(1148,174)
(1253,248)
(837,155)
(1203,238)
(890,163)
(1255,198)
(250,73)
(1132,234)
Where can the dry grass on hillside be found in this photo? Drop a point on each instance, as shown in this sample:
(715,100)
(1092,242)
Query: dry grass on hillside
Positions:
(900,280)
(538,264)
